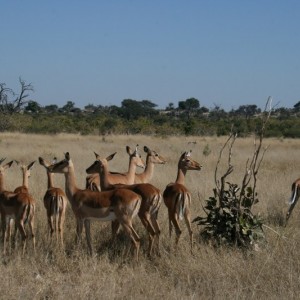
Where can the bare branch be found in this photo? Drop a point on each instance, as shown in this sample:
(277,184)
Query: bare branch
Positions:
(12,106)
(219,159)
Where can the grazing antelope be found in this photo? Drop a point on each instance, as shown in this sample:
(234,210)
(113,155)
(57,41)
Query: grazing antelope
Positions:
(151,200)
(135,160)
(122,205)
(152,158)
(20,206)
(55,203)
(177,197)
(294,197)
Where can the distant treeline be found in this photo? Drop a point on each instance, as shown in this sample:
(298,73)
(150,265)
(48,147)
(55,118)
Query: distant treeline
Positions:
(17,113)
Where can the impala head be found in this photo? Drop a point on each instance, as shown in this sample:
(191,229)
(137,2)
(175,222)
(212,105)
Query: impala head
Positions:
(61,166)
(153,156)
(99,163)
(3,168)
(135,157)
(187,163)
(26,169)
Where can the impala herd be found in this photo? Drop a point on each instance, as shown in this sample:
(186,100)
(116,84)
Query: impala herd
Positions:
(108,196)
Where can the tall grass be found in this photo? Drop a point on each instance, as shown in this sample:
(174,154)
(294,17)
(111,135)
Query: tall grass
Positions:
(52,273)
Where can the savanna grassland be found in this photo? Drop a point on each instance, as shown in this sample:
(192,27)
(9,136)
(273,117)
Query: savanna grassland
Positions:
(273,272)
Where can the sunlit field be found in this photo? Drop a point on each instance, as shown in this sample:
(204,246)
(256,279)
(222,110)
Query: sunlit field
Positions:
(273,272)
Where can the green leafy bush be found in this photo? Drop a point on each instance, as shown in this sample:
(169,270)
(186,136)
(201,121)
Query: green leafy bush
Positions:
(229,219)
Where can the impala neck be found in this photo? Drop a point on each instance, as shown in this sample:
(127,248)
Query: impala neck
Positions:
(149,170)
(180,176)
(103,174)
(71,187)
(131,172)
(25,179)
(50,180)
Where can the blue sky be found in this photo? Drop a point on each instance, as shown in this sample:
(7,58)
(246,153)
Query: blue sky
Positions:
(226,53)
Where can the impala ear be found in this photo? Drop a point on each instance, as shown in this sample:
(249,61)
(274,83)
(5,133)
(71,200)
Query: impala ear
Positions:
(41,161)
(2,160)
(96,155)
(110,157)
(67,156)
(29,167)
(146,149)
(128,150)
(8,165)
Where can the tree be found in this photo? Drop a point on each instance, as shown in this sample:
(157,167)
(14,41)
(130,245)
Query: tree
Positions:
(133,109)
(297,106)
(10,107)
(33,107)
(69,106)
(247,110)
(170,106)
(53,108)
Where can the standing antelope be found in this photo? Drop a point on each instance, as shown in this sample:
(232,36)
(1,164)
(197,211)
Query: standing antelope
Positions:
(152,158)
(122,205)
(93,180)
(55,203)
(25,169)
(177,197)
(294,197)
(151,200)
(20,206)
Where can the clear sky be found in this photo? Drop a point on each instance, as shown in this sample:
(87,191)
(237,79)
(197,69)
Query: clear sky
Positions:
(227,53)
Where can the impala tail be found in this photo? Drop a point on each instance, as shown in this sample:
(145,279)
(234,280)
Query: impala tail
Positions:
(27,212)
(183,202)
(293,198)
(136,207)
(156,202)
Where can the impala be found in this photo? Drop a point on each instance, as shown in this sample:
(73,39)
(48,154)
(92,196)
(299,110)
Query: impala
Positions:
(294,197)
(151,200)
(25,169)
(55,203)
(177,197)
(152,158)
(122,205)
(20,206)
(93,180)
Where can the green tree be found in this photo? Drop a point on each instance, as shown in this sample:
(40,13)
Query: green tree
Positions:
(52,108)
(33,107)
(69,106)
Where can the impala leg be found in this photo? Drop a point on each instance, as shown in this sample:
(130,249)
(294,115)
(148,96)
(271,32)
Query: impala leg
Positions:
(31,227)
(79,228)
(187,218)
(56,222)
(20,225)
(115,227)
(174,221)
(135,239)
(145,218)
(87,227)
(61,227)
(51,226)
(157,231)
(6,229)
(290,211)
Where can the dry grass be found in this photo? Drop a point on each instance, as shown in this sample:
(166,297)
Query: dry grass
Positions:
(273,272)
